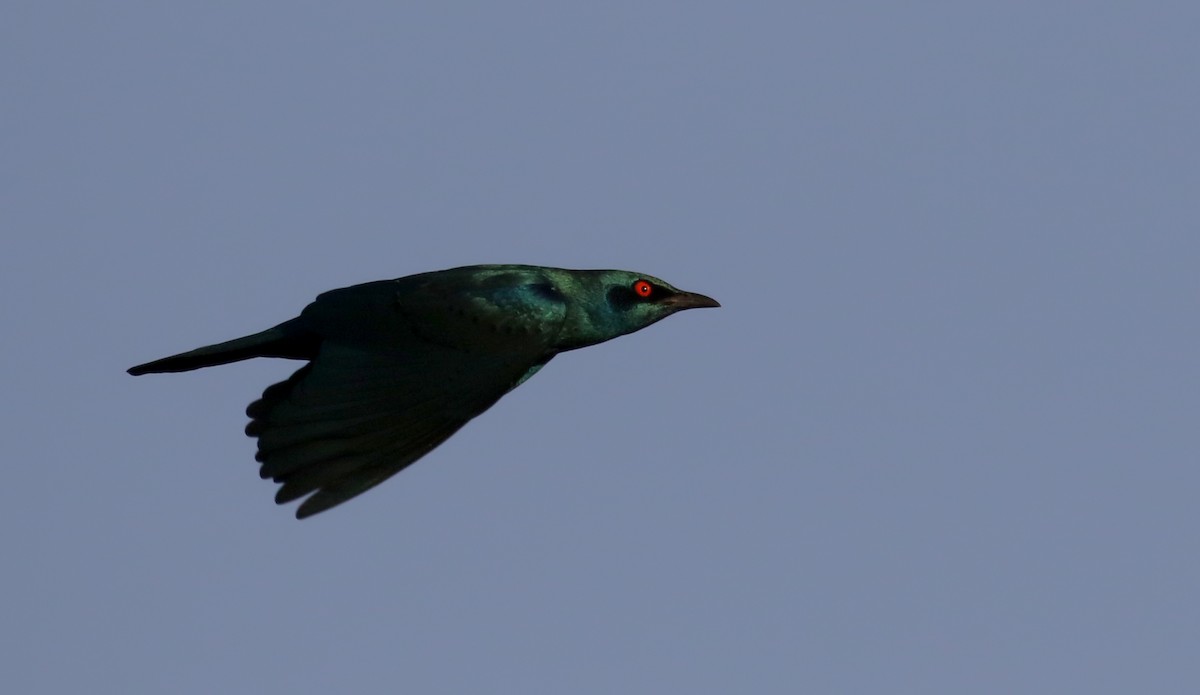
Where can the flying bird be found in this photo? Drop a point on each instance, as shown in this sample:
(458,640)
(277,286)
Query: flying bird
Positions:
(395,367)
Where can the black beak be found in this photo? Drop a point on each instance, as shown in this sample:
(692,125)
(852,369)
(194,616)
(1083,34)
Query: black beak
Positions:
(690,300)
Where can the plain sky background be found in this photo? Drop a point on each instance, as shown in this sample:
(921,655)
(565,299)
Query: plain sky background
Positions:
(942,437)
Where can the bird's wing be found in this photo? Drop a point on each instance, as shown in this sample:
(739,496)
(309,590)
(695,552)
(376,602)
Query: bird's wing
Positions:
(398,373)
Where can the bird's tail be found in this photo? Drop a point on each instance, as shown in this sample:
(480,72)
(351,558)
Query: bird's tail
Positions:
(285,340)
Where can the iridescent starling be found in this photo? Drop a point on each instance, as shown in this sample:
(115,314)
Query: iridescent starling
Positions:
(397,366)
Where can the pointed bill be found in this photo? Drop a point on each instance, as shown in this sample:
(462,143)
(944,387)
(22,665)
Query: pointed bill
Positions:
(690,300)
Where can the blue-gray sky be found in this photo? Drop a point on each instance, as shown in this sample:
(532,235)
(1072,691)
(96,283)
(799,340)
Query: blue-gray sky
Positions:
(940,439)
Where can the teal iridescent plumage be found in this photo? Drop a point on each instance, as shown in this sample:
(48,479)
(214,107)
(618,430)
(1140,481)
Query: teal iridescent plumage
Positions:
(397,366)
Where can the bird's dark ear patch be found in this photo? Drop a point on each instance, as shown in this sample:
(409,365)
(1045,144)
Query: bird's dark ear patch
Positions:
(621,298)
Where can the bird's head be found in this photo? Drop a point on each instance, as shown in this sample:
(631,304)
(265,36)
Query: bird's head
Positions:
(611,303)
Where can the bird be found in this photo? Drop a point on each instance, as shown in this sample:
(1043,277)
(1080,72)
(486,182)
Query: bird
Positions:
(395,367)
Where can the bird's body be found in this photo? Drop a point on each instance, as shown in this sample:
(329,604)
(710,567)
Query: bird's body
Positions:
(397,366)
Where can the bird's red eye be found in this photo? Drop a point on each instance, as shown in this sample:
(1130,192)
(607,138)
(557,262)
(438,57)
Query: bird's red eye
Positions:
(643,289)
